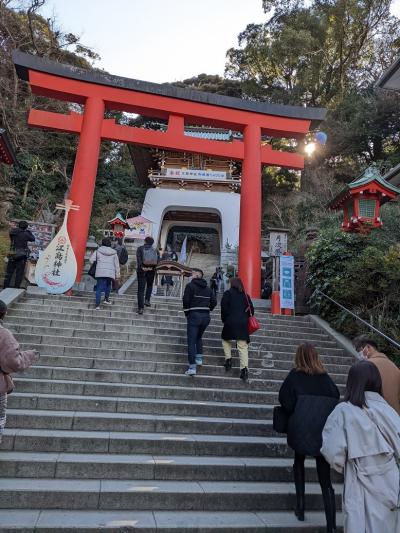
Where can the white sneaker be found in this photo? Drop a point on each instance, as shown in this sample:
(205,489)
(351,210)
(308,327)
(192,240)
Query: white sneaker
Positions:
(191,371)
(97,308)
(199,360)
(107,302)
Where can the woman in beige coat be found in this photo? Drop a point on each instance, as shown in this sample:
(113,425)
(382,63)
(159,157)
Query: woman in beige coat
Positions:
(12,359)
(361,439)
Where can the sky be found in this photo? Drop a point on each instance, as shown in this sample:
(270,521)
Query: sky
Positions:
(159,40)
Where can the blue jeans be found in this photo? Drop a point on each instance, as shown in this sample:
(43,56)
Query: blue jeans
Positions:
(102,285)
(197,323)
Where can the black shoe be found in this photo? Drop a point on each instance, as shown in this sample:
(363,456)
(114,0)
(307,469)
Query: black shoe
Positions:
(299,482)
(140,311)
(228,364)
(147,303)
(328,495)
(244,374)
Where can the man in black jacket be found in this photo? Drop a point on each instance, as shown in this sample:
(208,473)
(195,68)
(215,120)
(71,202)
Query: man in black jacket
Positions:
(198,301)
(146,261)
(18,255)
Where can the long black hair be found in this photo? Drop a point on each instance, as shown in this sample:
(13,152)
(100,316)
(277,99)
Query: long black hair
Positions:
(363,376)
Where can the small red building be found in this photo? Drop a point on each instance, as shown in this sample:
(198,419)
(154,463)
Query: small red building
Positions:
(119,225)
(361,201)
(7,155)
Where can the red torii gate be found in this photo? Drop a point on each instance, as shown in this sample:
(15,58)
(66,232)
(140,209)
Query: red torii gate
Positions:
(99,91)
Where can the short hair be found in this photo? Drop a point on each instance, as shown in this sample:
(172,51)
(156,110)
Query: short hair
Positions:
(307,360)
(23,224)
(106,242)
(149,240)
(363,376)
(361,342)
(3,309)
(199,271)
(237,283)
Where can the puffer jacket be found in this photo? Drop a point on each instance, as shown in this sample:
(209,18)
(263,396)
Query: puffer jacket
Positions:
(198,297)
(12,359)
(107,262)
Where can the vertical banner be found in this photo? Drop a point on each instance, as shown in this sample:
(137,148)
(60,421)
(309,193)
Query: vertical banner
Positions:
(56,268)
(287,281)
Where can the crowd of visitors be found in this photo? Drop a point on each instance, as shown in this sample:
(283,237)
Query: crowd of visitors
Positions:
(359,437)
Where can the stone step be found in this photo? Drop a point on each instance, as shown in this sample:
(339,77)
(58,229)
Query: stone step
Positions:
(143,321)
(134,422)
(213,331)
(262,369)
(112,404)
(257,355)
(193,390)
(161,337)
(32,493)
(157,467)
(154,378)
(120,310)
(147,344)
(49,521)
(69,441)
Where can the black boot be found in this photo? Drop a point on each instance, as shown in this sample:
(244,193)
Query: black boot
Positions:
(328,496)
(228,364)
(299,483)
(244,374)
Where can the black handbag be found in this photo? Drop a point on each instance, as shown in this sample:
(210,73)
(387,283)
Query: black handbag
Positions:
(280,419)
(92,269)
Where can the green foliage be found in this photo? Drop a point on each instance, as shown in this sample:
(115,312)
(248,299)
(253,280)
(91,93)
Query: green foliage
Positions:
(362,273)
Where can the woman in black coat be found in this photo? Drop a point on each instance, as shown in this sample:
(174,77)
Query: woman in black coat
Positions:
(308,395)
(236,308)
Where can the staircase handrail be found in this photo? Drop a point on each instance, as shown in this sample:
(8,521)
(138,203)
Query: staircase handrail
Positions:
(370,326)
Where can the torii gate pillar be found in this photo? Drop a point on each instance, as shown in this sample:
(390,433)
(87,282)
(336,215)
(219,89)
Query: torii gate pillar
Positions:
(84,178)
(250,212)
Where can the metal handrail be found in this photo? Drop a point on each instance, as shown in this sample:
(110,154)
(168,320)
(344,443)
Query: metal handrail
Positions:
(370,326)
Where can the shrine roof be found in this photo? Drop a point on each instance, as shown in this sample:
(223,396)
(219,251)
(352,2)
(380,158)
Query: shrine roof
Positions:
(390,79)
(393,175)
(118,217)
(26,62)
(7,153)
(371,174)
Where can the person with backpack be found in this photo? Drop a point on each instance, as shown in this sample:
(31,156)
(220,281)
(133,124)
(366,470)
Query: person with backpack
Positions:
(361,440)
(18,255)
(123,257)
(106,270)
(198,301)
(147,259)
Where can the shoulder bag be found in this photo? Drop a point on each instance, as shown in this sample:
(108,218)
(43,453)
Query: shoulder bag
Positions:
(92,269)
(253,324)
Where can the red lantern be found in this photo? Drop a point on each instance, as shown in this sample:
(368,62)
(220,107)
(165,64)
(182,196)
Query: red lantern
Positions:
(362,199)
(119,225)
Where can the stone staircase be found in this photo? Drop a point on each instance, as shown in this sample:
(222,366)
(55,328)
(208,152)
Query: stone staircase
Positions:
(107,433)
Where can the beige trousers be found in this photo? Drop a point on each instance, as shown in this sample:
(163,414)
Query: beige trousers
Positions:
(243,349)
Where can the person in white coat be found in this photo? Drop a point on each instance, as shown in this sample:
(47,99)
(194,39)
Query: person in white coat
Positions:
(361,439)
(107,269)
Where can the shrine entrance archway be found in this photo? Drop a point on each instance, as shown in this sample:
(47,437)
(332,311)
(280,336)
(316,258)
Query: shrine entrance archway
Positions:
(99,91)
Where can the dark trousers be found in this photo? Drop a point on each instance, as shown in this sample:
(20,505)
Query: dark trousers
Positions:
(197,323)
(145,281)
(323,470)
(103,285)
(17,266)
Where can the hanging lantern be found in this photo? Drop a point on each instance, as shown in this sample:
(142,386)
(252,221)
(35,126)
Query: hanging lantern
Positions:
(362,199)
(119,225)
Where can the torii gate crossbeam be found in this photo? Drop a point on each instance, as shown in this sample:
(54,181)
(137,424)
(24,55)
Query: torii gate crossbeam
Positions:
(99,92)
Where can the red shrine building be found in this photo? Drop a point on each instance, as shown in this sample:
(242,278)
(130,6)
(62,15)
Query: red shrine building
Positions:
(199,164)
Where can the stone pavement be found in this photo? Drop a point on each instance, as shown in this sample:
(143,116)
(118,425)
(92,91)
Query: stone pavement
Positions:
(106,433)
